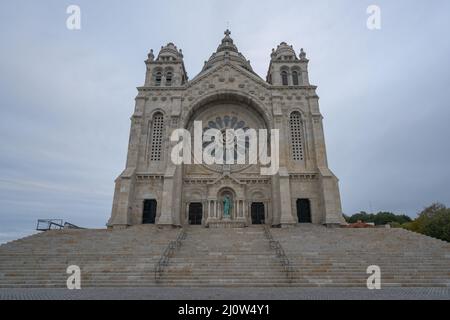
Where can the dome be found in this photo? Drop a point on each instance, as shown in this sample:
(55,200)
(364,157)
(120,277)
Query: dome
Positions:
(227,43)
(170,52)
(227,50)
(283,50)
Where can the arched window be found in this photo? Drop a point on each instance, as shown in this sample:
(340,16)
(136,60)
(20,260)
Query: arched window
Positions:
(168,78)
(158,78)
(295,78)
(156,137)
(284,78)
(295,123)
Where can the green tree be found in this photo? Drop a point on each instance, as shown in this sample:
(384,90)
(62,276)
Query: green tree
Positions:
(439,226)
(433,221)
(381,218)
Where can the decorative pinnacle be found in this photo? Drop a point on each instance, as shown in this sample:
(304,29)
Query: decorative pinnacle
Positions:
(151,56)
(302,54)
(227,32)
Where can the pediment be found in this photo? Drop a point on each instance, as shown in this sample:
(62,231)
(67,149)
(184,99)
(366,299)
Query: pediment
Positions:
(230,76)
(226,179)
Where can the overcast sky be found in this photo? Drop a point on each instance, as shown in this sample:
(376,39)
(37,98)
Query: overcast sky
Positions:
(66,96)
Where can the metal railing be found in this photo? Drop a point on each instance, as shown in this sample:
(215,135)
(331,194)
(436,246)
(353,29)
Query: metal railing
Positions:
(168,252)
(68,225)
(49,224)
(54,224)
(281,255)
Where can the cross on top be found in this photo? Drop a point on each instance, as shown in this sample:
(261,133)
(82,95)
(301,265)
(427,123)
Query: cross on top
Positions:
(227,33)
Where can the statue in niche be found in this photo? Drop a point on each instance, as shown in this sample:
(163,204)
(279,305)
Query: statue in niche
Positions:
(226,207)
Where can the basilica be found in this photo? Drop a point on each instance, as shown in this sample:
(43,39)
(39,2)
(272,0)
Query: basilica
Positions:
(226,94)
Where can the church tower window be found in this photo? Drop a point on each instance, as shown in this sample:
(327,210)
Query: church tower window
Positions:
(295,78)
(296,126)
(156,137)
(284,78)
(169,79)
(158,78)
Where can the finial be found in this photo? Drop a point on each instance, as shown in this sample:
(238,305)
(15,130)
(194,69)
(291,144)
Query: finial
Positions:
(227,32)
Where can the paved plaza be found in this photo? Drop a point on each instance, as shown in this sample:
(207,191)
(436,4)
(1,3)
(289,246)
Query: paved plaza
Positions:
(228,294)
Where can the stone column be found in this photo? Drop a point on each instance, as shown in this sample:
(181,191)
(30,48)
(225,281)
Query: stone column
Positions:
(169,196)
(265,212)
(245,209)
(239,209)
(270,211)
(209,209)
(286,217)
(219,212)
(211,204)
(205,211)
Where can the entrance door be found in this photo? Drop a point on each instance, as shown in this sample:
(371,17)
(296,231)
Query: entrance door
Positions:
(149,215)
(257,211)
(303,211)
(195,213)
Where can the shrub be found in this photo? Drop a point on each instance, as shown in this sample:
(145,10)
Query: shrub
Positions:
(433,221)
(381,218)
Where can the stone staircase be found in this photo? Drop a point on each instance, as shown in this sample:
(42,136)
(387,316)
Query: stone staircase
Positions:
(340,257)
(225,257)
(107,258)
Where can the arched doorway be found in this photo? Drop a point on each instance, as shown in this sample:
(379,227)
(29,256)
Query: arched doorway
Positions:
(195,213)
(257,213)
(304,211)
(149,212)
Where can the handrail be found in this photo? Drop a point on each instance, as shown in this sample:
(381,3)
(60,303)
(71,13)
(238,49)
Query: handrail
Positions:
(54,224)
(49,224)
(281,255)
(68,225)
(167,253)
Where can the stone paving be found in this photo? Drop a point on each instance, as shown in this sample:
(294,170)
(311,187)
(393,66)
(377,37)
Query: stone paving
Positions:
(228,294)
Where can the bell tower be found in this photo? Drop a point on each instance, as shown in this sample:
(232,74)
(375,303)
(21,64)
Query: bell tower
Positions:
(167,70)
(286,69)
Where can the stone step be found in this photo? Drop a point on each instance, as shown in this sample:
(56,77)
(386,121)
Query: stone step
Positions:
(232,257)
(329,275)
(127,284)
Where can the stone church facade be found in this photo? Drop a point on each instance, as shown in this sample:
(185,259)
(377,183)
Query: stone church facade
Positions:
(226,94)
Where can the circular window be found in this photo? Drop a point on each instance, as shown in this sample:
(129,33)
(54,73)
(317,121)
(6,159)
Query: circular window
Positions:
(232,122)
